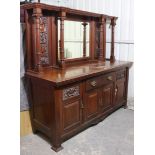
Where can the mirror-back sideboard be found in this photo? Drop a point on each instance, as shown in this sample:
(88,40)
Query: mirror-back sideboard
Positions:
(69,95)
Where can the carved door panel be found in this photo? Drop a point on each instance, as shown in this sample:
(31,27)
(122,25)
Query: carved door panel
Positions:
(106,99)
(91,104)
(120,92)
(71,108)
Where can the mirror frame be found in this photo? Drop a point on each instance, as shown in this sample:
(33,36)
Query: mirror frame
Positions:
(83,42)
(77,18)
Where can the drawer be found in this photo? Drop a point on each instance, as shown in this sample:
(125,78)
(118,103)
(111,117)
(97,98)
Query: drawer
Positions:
(92,83)
(107,78)
(100,81)
(120,74)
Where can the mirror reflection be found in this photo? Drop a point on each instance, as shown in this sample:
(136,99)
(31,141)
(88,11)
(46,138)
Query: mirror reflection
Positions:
(74,39)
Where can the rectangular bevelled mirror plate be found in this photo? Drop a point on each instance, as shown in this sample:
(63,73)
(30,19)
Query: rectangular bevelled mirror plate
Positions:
(74,39)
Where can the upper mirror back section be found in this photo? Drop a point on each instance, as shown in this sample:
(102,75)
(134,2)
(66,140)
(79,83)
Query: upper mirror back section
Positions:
(76,39)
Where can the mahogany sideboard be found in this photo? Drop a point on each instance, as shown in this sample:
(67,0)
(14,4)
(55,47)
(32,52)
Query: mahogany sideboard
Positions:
(69,95)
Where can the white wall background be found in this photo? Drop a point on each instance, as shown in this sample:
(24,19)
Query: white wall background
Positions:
(124,36)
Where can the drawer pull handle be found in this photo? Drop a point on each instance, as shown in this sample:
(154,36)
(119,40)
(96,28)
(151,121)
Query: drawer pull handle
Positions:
(116,91)
(109,78)
(93,83)
(82,106)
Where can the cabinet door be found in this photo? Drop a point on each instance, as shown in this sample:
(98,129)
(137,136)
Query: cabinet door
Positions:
(71,108)
(71,115)
(106,99)
(120,92)
(91,103)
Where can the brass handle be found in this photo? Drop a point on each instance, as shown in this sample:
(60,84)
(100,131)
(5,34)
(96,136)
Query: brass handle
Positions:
(93,83)
(82,106)
(116,91)
(109,78)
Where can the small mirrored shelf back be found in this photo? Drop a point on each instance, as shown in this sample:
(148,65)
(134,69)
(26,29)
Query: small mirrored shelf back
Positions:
(61,36)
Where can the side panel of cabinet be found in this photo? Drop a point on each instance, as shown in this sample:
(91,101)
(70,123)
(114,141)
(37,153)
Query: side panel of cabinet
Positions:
(106,97)
(91,104)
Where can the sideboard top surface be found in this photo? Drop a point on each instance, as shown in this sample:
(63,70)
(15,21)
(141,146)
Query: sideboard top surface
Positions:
(60,77)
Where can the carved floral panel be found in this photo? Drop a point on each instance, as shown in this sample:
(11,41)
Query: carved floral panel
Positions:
(44,40)
(71,92)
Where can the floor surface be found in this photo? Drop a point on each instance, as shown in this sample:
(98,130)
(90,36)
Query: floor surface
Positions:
(113,136)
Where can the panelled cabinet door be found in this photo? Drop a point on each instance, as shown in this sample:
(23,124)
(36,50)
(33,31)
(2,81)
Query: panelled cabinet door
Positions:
(106,99)
(71,115)
(71,109)
(120,91)
(91,104)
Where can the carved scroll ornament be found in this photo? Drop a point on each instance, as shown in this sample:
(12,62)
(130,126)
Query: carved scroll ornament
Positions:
(71,92)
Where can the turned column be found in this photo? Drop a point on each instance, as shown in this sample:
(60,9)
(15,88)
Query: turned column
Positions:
(37,14)
(61,45)
(113,23)
(102,38)
(84,38)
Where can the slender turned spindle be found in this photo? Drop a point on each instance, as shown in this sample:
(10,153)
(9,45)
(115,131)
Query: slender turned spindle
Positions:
(102,38)
(37,13)
(84,38)
(113,23)
(62,61)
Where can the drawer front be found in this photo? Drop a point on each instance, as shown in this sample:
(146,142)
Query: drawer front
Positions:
(107,78)
(92,83)
(120,74)
(100,81)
